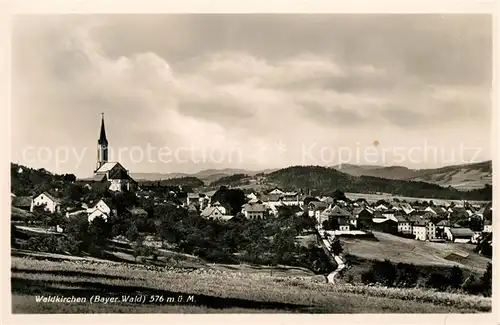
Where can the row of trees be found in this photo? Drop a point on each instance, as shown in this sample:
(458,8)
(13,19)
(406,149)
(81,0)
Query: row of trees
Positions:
(408,275)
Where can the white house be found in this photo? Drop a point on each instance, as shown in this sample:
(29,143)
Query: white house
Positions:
(419,230)
(213,212)
(51,203)
(404,225)
(431,230)
(102,206)
(97,214)
(254,211)
(488,227)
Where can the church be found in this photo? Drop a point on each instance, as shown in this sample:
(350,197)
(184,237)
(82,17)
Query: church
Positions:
(112,172)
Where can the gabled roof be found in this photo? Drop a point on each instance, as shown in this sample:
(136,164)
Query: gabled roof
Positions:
(400,218)
(208,211)
(317,205)
(444,223)
(52,198)
(255,207)
(419,223)
(107,166)
(339,212)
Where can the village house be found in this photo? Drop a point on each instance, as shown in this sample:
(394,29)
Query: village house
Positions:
(442,227)
(363,216)
(215,212)
(404,225)
(431,230)
(254,211)
(459,235)
(344,217)
(50,203)
(315,208)
(487,227)
(420,230)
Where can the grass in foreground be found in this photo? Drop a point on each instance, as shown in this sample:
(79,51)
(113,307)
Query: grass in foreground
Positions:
(214,291)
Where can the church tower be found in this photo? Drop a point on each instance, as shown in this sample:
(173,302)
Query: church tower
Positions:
(102,146)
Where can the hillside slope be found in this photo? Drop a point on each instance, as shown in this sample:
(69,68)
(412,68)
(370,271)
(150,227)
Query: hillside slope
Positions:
(462,177)
(328,180)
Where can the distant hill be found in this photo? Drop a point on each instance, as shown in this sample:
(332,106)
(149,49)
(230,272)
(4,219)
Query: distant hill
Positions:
(232,180)
(461,177)
(328,180)
(207,176)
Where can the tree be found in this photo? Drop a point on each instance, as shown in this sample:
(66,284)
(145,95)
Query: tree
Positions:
(384,272)
(336,248)
(75,192)
(339,195)
(309,199)
(455,278)
(233,198)
(437,281)
(331,224)
(486,281)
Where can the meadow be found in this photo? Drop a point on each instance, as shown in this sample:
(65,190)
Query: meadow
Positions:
(213,290)
(404,250)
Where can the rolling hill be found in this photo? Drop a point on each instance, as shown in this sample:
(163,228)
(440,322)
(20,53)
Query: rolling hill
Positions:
(461,177)
(328,180)
(207,175)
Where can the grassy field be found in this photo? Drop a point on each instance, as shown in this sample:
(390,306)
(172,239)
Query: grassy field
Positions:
(398,249)
(212,291)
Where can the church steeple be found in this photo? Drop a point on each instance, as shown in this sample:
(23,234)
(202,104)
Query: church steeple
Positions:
(102,146)
(102,137)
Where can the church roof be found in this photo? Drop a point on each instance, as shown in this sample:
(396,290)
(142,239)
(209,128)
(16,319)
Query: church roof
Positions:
(106,167)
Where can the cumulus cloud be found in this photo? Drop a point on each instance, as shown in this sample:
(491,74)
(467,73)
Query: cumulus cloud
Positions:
(233,98)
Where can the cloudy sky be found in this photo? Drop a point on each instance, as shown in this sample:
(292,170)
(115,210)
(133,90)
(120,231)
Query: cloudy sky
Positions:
(182,93)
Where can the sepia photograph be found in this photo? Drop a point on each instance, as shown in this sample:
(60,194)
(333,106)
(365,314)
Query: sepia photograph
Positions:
(336,163)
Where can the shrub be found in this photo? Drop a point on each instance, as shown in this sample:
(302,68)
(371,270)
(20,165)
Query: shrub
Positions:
(437,281)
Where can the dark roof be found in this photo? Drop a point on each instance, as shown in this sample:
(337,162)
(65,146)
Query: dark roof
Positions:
(444,223)
(400,218)
(137,211)
(102,135)
(318,205)
(419,223)
(461,232)
(22,201)
(339,212)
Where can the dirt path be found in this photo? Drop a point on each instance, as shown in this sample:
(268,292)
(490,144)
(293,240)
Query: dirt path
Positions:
(326,244)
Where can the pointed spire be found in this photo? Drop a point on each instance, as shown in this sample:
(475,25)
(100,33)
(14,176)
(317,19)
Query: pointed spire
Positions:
(102,137)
